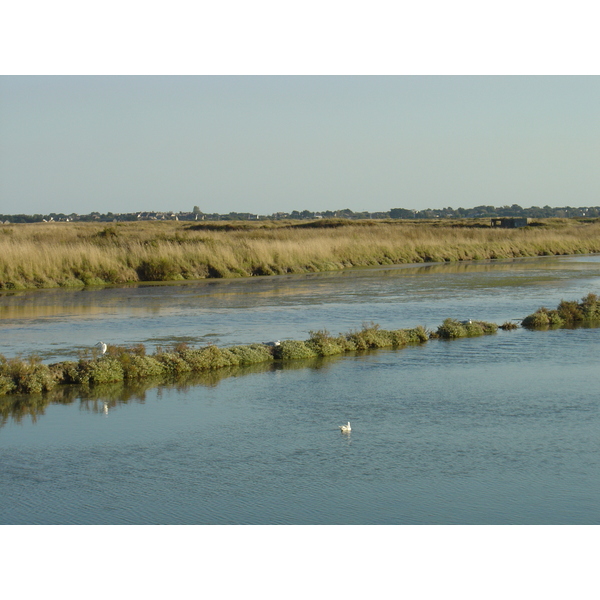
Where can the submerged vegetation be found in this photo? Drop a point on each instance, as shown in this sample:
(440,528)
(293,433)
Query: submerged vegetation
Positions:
(43,255)
(567,313)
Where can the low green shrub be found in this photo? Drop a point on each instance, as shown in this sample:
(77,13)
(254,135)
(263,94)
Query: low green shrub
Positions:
(568,312)
(252,354)
(451,328)
(543,317)
(590,307)
(100,370)
(7,385)
(208,358)
(141,367)
(65,372)
(294,350)
(25,377)
(173,364)
(323,344)
(370,336)
(416,335)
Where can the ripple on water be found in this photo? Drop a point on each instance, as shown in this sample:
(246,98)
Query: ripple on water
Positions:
(498,429)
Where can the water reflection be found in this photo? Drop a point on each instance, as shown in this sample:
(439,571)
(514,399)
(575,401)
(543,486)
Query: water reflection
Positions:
(104,398)
(138,299)
(59,324)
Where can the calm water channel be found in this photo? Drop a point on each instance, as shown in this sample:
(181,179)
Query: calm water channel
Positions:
(497,430)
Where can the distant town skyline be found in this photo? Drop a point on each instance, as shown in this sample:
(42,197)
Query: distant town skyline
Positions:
(261,145)
(477,212)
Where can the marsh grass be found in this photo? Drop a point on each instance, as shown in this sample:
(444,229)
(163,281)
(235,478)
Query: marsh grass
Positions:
(38,255)
(567,313)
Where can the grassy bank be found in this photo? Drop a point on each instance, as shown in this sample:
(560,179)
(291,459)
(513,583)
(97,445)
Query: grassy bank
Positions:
(42,255)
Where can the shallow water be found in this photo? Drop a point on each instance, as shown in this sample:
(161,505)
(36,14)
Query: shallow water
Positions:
(493,430)
(58,324)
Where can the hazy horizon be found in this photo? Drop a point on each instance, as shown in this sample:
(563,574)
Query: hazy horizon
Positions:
(263,144)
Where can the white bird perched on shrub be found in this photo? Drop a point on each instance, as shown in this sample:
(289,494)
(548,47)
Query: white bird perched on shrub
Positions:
(345,428)
(273,344)
(103,347)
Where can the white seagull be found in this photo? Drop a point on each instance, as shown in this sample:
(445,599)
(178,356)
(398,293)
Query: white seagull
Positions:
(345,428)
(102,347)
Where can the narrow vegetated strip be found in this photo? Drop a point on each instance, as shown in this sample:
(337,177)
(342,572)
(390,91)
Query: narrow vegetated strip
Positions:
(132,364)
(568,313)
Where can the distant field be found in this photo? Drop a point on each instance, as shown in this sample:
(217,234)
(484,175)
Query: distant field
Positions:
(39,255)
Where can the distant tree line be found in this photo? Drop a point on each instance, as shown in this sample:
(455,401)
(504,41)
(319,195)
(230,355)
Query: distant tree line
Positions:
(483,211)
(196,214)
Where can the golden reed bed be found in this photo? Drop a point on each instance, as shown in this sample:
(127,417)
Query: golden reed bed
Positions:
(41,255)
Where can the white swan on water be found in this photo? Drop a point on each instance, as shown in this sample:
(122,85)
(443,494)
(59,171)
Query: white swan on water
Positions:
(103,347)
(345,428)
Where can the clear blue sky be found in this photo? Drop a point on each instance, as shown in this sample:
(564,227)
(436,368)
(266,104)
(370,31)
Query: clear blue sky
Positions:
(263,144)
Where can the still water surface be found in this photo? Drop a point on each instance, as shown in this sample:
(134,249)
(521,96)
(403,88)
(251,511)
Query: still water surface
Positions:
(497,430)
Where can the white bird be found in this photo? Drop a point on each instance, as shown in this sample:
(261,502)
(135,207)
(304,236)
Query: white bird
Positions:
(103,347)
(273,344)
(466,322)
(345,428)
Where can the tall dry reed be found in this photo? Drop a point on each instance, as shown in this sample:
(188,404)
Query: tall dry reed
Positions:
(77,254)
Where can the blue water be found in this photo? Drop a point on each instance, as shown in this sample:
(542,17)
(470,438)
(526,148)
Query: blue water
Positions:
(503,429)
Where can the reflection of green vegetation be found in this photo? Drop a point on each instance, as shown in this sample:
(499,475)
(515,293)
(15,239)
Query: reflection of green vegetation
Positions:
(19,407)
(96,397)
(567,313)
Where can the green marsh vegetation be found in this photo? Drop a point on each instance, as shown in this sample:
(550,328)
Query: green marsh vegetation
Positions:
(568,313)
(121,364)
(18,407)
(27,386)
(44,255)
(451,328)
